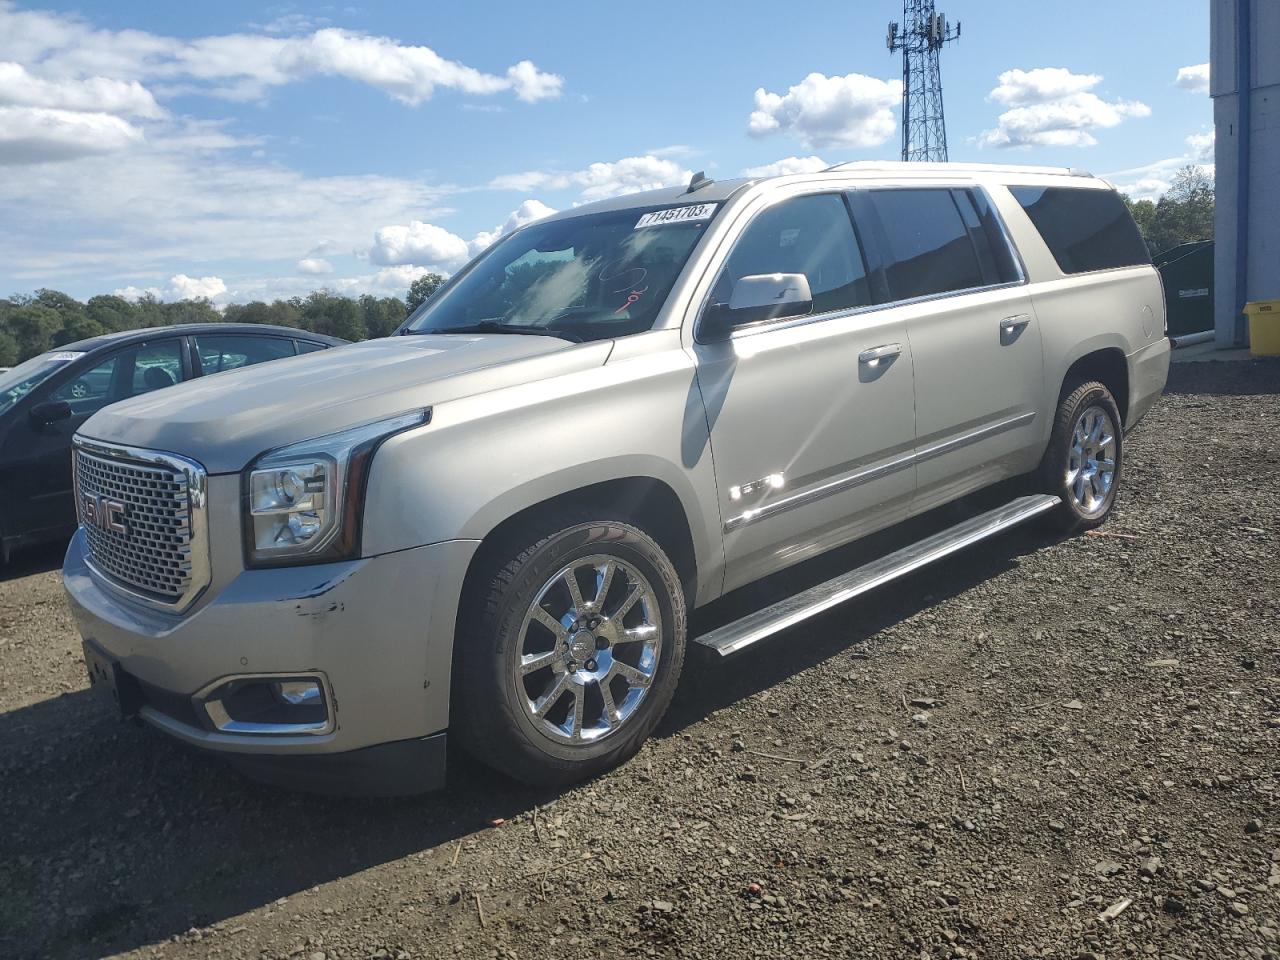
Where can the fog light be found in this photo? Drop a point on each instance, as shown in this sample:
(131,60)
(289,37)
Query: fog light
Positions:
(297,693)
(267,705)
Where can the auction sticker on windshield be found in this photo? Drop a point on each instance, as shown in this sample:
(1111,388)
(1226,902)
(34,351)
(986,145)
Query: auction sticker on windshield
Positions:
(659,218)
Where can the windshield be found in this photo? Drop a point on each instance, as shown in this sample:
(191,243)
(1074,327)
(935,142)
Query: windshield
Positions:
(585,278)
(25,377)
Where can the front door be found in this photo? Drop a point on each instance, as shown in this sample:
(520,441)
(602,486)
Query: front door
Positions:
(39,455)
(811,418)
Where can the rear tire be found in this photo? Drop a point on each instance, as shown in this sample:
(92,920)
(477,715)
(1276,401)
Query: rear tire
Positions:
(554,682)
(1084,459)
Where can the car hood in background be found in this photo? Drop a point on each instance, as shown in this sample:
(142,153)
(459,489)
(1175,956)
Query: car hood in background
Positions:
(225,420)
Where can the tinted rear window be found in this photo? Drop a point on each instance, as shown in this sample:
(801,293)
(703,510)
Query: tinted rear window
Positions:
(1085,230)
(929,250)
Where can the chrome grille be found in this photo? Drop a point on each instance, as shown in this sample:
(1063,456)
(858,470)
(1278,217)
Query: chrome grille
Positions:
(142,514)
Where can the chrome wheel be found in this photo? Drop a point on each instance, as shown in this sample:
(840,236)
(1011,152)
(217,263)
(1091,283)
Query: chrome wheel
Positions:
(1091,465)
(588,650)
(79,390)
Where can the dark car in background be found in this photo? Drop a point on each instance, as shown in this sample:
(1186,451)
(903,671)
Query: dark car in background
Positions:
(44,400)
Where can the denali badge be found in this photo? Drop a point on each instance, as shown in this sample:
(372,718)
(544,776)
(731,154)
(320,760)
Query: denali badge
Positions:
(103,513)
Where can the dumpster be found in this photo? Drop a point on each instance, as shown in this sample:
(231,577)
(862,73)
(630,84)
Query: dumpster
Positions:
(1187,274)
(1264,327)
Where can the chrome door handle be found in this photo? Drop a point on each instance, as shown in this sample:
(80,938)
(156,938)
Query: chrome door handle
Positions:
(875,354)
(1010,324)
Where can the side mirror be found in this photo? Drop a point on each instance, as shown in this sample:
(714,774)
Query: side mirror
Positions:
(51,411)
(765,296)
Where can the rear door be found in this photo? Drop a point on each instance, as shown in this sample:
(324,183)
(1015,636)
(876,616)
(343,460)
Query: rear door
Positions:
(811,418)
(218,352)
(950,275)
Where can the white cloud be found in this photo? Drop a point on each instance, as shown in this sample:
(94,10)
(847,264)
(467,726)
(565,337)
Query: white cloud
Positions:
(314,266)
(1053,107)
(821,111)
(190,288)
(425,246)
(602,179)
(244,66)
(531,84)
(1194,78)
(1201,145)
(1151,181)
(181,287)
(1147,188)
(527,212)
(20,88)
(136,293)
(785,166)
(420,243)
(1018,88)
(39,134)
(187,200)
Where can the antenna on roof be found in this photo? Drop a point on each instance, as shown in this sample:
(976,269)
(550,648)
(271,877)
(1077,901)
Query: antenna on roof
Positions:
(698,181)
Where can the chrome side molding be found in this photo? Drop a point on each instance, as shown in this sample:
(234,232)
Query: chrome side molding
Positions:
(735,636)
(867,474)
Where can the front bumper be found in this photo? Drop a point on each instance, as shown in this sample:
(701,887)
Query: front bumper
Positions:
(378,630)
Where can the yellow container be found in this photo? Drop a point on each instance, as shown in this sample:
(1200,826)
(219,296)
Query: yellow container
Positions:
(1264,328)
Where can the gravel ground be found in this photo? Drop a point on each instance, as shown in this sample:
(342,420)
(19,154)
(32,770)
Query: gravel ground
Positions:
(1039,748)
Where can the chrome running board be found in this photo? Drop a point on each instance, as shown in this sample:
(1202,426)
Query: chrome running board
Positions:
(741,633)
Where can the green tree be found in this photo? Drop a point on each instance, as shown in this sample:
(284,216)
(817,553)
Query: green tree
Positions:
(328,313)
(112,312)
(148,311)
(1182,215)
(381,315)
(421,289)
(1143,211)
(8,350)
(198,310)
(32,328)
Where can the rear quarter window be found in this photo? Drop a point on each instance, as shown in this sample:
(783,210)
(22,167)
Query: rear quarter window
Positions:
(1085,230)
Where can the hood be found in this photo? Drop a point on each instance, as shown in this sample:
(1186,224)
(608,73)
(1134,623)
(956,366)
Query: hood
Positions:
(225,420)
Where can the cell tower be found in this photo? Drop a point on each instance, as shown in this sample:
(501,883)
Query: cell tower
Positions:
(920,37)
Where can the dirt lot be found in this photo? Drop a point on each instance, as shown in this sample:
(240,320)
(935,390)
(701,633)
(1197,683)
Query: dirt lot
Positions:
(977,762)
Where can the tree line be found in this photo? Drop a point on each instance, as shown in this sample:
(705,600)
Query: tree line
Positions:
(1182,215)
(32,324)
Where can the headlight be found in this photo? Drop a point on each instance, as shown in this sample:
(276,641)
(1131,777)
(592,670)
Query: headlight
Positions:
(304,503)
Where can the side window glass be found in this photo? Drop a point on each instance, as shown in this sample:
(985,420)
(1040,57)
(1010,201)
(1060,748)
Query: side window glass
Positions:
(811,235)
(928,246)
(89,390)
(1085,229)
(989,241)
(221,352)
(308,346)
(156,366)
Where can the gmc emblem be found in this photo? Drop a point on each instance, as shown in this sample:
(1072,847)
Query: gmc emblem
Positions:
(103,513)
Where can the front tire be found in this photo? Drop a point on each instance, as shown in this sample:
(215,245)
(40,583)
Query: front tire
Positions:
(1085,455)
(570,644)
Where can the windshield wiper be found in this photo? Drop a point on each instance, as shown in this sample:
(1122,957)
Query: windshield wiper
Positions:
(493,326)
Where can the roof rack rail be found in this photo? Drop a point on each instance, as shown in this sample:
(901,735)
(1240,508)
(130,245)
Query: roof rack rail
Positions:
(901,166)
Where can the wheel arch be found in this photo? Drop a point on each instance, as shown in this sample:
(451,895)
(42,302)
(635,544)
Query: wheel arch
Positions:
(1107,365)
(648,502)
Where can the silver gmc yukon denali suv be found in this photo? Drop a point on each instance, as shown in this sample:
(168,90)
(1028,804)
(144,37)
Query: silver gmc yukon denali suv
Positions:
(496,523)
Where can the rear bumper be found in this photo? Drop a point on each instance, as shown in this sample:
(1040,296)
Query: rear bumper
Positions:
(377,633)
(1148,373)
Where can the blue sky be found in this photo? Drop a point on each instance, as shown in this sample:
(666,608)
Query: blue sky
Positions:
(243,151)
